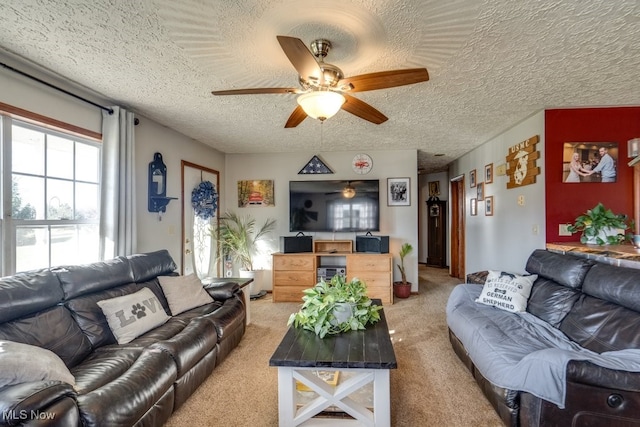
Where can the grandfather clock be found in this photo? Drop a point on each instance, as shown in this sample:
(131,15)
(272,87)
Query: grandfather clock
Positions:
(436,232)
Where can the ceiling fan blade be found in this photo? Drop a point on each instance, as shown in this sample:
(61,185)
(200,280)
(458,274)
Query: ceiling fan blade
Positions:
(302,59)
(385,79)
(363,110)
(296,117)
(257,91)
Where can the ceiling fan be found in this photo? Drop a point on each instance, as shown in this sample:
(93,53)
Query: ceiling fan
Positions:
(324,89)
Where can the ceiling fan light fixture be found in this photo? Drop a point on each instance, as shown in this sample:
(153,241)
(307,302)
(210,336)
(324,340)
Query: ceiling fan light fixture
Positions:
(321,104)
(348,192)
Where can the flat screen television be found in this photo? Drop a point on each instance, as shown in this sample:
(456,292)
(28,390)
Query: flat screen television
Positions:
(325,205)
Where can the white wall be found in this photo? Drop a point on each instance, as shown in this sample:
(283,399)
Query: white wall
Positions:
(505,240)
(400,223)
(151,137)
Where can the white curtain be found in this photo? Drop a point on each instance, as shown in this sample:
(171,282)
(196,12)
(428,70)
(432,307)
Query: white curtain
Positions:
(117,198)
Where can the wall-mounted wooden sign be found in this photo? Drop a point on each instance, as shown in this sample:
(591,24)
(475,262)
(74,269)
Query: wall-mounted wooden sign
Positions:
(521,163)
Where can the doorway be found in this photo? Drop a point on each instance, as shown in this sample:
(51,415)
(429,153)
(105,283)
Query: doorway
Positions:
(198,248)
(457,227)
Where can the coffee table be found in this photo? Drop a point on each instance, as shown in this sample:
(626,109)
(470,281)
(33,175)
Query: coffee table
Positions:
(367,354)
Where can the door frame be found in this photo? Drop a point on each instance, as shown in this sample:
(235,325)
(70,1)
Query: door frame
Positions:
(186,199)
(457,238)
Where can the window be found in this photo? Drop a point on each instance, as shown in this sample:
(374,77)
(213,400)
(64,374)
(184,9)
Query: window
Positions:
(55,197)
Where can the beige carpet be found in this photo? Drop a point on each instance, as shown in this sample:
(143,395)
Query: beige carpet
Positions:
(431,387)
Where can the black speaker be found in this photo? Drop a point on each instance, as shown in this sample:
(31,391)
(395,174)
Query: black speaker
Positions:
(296,244)
(372,244)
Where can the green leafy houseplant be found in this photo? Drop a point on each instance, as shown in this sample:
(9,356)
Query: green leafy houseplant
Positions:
(601,226)
(402,289)
(405,250)
(237,236)
(322,304)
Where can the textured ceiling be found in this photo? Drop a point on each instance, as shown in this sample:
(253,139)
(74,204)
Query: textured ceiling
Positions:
(492,63)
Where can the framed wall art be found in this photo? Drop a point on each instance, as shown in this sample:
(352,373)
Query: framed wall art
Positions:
(473,206)
(434,188)
(488,206)
(488,173)
(480,190)
(398,192)
(472,178)
(589,162)
(258,193)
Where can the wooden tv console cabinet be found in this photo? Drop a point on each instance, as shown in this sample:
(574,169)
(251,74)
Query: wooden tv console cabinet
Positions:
(292,273)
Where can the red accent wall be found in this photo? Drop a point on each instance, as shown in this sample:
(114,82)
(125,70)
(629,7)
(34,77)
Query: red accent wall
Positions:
(564,202)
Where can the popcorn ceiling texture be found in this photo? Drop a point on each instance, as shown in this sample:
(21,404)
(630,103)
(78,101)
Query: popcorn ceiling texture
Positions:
(492,63)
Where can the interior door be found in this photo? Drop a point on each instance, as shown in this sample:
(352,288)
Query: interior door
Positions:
(198,248)
(457,227)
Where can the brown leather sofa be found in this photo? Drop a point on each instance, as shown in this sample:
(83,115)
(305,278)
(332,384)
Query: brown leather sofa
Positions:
(595,305)
(139,383)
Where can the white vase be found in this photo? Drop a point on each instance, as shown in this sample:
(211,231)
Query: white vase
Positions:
(603,234)
(254,287)
(342,312)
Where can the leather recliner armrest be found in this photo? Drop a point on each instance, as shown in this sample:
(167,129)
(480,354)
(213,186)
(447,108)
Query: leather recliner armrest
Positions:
(31,397)
(590,374)
(222,291)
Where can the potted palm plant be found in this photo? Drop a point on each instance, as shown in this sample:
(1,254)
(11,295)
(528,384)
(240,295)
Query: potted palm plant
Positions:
(601,226)
(237,237)
(402,289)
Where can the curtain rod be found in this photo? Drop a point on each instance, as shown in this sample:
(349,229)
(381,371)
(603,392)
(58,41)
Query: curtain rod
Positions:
(109,110)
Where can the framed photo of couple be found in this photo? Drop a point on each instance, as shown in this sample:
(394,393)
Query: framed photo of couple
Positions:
(589,162)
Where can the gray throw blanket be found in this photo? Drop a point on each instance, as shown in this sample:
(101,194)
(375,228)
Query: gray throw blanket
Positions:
(519,351)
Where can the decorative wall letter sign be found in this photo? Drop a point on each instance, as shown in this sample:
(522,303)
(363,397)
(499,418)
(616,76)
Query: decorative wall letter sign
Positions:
(521,163)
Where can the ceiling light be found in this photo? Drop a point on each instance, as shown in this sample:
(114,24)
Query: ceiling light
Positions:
(349,192)
(321,105)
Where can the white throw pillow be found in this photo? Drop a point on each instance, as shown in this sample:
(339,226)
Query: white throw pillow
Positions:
(132,315)
(23,363)
(183,292)
(507,291)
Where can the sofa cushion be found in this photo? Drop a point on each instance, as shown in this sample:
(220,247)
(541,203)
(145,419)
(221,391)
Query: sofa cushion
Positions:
(601,325)
(133,383)
(90,318)
(24,363)
(130,316)
(150,265)
(53,329)
(618,285)
(507,291)
(183,292)
(83,279)
(28,293)
(567,270)
(550,301)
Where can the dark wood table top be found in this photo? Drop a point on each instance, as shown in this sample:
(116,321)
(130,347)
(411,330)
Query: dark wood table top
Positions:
(370,349)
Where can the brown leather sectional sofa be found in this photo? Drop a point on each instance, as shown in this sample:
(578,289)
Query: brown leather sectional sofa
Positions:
(139,383)
(595,305)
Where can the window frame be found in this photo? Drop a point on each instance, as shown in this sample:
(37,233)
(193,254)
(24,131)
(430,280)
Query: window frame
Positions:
(9,225)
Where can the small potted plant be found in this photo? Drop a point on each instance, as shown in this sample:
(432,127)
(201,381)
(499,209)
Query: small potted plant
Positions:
(335,307)
(601,226)
(402,289)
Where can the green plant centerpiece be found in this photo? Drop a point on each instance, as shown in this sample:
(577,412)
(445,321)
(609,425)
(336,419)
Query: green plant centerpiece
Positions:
(601,226)
(237,236)
(334,307)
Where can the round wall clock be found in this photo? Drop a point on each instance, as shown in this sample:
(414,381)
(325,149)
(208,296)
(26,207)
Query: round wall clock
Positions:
(362,164)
